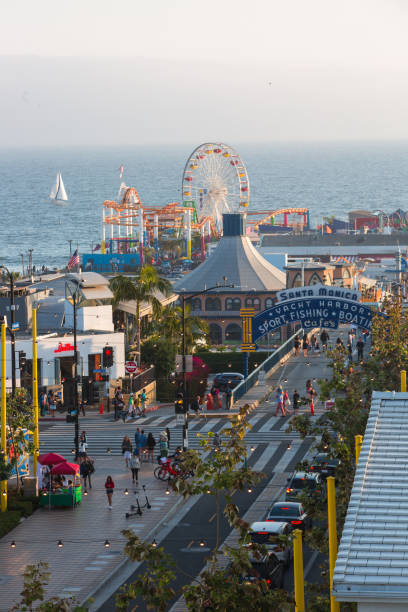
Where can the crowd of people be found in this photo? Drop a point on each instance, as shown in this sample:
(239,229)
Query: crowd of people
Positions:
(136,405)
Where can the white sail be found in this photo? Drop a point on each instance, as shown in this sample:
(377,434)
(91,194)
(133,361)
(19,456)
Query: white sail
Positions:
(58,190)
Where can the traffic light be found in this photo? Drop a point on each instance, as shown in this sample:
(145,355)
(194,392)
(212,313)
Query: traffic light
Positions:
(107,359)
(22,360)
(179,405)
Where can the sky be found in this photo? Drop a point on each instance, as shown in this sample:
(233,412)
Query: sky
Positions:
(100,73)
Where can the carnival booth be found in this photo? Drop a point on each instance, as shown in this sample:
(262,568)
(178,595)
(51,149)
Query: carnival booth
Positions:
(62,484)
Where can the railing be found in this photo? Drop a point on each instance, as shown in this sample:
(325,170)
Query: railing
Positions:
(133,384)
(265,366)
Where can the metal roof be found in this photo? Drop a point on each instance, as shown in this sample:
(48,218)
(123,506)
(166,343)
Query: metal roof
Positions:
(372,561)
(243,266)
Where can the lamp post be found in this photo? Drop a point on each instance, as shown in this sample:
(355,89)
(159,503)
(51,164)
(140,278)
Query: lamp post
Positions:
(11,330)
(73,295)
(183,315)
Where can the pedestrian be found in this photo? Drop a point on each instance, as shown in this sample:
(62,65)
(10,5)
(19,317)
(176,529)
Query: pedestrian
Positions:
(143,399)
(135,467)
(164,446)
(151,443)
(81,404)
(350,350)
(168,437)
(195,404)
(305,345)
(126,449)
(350,337)
(209,402)
(85,471)
(324,338)
(228,398)
(297,345)
(286,401)
(142,444)
(309,390)
(360,349)
(216,441)
(51,403)
(109,486)
(215,392)
(312,407)
(279,402)
(138,411)
(137,436)
(131,406)
(43,403)
(296,401)
(313,342)
(83,446)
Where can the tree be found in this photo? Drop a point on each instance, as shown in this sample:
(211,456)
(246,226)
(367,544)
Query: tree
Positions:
(140,289)
(36,578)
(351,387)
(170,325)
(219,470)
(20,419)
(161,353)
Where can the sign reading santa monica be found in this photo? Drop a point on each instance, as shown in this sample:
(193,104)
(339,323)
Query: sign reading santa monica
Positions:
(314,306)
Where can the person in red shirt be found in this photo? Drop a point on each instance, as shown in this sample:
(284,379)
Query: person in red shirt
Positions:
(109,486)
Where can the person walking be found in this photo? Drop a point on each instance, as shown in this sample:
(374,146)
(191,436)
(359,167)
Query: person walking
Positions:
(209,402)
(85,469)
(151,443)
(137,437)
(164,446)
(168,437)
(143,399)
(131,406)
(135,467)
(309,390)
(126,449)
(228,398)
(305,345)
(109,487)
(296,401)
(360,349)
(286,401)
(43,403)
(350,351)
(83,447)
(142,444)
(297,345)
(313,342)
(195,404)
(324,338)
(279,402)
(138,411)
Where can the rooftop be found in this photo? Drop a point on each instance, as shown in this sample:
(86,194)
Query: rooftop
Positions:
(372,562)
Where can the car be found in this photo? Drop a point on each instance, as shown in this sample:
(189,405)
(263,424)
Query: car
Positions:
(324,465)
(289,512)
(309,482)
(268,534)
(269,568)
(225,380)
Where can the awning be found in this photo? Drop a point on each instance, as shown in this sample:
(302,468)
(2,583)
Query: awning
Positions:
(96,293)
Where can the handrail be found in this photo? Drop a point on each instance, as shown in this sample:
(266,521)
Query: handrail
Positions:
(266,365)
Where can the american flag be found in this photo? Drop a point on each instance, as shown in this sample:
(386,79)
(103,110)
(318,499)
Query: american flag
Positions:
(74,260)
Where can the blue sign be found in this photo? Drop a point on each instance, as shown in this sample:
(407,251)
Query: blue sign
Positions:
(15,326)
(312,312)
(100,371)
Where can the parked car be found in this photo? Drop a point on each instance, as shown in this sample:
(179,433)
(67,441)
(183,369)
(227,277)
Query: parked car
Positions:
(268,534)
(289,512)
(309,482)
(324,465)
(269,568)
(226,380)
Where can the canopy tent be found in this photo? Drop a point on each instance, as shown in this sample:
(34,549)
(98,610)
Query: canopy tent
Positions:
(50,459)
(65,468)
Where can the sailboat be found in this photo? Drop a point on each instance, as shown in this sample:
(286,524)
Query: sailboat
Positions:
(58,193)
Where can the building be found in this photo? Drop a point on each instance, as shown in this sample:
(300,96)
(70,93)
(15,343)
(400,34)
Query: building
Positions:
(235,261)
(302,274)
(372,561)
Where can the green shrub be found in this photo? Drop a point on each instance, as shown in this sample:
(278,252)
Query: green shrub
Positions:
(8,520)
(231,361)
(22,506)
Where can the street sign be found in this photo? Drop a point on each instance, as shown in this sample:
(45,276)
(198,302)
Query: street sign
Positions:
(130,367)
(15,326)
(179,419)
(99,371)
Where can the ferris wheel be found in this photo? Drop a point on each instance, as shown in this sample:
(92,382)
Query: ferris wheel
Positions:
(215,181)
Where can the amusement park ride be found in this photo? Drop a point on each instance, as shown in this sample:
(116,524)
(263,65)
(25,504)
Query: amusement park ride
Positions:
(215,181)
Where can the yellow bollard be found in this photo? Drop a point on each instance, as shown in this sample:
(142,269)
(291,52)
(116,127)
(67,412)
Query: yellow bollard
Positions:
(403,381)
(358,441)
(331,507)
(35,392)
(298,571)
(3,484)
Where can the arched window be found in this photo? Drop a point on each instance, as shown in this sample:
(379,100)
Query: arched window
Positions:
(315,279)
(233,333)
(229,304)
(196,304)
(268,303)
(346,273)
(213,303)
(236,305)
(297,281)
(215,333)
(256,303)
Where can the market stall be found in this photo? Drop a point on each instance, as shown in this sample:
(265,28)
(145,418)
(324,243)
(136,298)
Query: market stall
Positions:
(64,487)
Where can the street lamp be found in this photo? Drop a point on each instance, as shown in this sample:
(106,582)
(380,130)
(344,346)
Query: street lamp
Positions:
(183,315)
(74,297)
(11,330)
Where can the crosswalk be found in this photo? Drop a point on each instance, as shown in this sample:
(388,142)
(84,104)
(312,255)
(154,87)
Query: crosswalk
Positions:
(105,437)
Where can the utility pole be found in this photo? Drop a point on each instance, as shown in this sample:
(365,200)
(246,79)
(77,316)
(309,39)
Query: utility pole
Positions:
(22,262)
(70,247)
(30,261)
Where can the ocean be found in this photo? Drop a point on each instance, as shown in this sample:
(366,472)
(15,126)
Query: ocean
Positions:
(329,179)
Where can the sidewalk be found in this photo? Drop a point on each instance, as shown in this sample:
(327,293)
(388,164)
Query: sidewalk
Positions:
(83,563)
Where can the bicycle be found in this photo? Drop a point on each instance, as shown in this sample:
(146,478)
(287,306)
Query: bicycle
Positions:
(166,471)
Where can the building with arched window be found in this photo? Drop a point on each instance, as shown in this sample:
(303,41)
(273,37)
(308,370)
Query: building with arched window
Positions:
(252,282)
(341,273)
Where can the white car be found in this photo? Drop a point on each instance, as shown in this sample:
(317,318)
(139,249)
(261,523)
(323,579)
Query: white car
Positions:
(268,534)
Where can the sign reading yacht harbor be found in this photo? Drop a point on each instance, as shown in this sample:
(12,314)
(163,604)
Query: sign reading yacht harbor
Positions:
(314,306)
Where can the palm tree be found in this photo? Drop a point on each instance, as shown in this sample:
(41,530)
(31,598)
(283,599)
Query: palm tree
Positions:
(170,325)
(140,289)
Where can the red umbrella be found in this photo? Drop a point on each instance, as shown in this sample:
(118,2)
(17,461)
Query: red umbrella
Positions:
(65,468)
(50,459)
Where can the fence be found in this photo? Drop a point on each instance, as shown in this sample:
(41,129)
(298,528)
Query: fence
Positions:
(265,366)
(133,384)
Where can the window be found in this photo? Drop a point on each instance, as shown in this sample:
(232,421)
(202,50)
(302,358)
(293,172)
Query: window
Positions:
(251,302)
(213,303)
(268,303)
(196,304)
(232,304)
(215,333)
(233,333)
(297,281)
(346,273)
(315,279)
